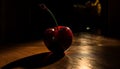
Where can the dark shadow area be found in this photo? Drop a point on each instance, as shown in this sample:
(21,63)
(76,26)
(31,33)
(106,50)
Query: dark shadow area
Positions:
(27,22)
(34,61)
(111,55)
(24,20)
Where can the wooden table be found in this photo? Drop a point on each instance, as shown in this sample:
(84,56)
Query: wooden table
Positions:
(87,51)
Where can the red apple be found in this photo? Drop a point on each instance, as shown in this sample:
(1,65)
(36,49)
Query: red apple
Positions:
(58,39)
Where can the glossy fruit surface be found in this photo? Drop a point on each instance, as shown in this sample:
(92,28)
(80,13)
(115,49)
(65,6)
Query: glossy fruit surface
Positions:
(58,39)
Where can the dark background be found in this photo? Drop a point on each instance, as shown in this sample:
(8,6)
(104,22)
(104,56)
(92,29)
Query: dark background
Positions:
(24,20)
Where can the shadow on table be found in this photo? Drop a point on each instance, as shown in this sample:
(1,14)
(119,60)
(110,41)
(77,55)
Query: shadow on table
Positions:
(34,61)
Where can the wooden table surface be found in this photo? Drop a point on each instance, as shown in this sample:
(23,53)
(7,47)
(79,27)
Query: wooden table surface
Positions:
(87,51)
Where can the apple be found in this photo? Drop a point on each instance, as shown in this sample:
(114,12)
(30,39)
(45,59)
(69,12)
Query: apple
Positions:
(59,38)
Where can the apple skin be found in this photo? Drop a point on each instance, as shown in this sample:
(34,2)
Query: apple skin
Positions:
(58,39)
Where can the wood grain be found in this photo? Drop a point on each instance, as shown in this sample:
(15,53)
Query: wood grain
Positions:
(87,51)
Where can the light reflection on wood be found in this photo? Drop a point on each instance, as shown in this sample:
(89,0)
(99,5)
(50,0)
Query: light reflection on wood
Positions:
(87,52)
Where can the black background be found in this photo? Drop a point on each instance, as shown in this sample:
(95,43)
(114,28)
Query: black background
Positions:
(24,20)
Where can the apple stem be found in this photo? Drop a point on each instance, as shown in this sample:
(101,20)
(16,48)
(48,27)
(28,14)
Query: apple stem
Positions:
(43,6)
(53,17)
